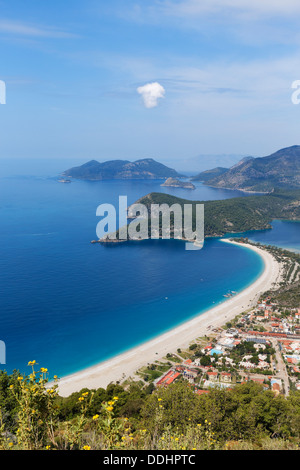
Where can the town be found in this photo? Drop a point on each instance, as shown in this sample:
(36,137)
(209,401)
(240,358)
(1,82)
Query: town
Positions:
(260,345)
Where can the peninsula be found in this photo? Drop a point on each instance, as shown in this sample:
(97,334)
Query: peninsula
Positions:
(234,215)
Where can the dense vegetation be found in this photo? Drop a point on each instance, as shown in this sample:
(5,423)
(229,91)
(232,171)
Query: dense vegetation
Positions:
(287,296)
(33,416)
(239,214)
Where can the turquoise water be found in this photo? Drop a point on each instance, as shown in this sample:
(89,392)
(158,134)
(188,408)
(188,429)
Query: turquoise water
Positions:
(215,351)
(70,304)
(284,234)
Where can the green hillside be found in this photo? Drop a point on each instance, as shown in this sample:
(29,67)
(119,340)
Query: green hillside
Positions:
(238,214)
(279,170)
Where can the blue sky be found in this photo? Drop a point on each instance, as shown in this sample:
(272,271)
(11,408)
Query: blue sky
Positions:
(72,70)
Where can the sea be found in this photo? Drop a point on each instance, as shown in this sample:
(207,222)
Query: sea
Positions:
(70,304)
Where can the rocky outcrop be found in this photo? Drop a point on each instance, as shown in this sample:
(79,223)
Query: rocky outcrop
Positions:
(175,183)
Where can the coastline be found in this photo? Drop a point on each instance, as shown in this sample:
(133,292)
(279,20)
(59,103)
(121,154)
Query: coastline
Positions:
(236,189)
(124,365)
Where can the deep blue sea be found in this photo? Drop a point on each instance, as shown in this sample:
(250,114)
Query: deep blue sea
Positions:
(69,304)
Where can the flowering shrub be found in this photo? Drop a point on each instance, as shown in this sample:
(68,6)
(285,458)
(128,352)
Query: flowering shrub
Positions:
(170,419)
(37,412)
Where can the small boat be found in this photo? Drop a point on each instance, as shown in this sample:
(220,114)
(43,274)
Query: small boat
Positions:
(228,295)
(64,181)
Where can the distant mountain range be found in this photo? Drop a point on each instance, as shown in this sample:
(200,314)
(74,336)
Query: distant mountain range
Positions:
(121,169)
(263,174)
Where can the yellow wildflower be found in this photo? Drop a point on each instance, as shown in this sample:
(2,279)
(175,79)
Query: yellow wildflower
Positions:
(95,417)
(86,448)
(80,398)
(116,398)
(109,408)
(31,363)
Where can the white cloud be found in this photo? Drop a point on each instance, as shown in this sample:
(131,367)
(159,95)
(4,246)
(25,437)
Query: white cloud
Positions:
(253,22)
(151,92)
(24,29)
(253,7)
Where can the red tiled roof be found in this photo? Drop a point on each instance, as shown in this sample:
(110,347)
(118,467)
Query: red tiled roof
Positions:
(276,386)
(171,379)
(168,378)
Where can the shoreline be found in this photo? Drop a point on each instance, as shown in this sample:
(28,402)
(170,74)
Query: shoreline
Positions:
(124,365)
(248,191)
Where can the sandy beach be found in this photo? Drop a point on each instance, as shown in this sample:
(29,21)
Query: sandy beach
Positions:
(125,365)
